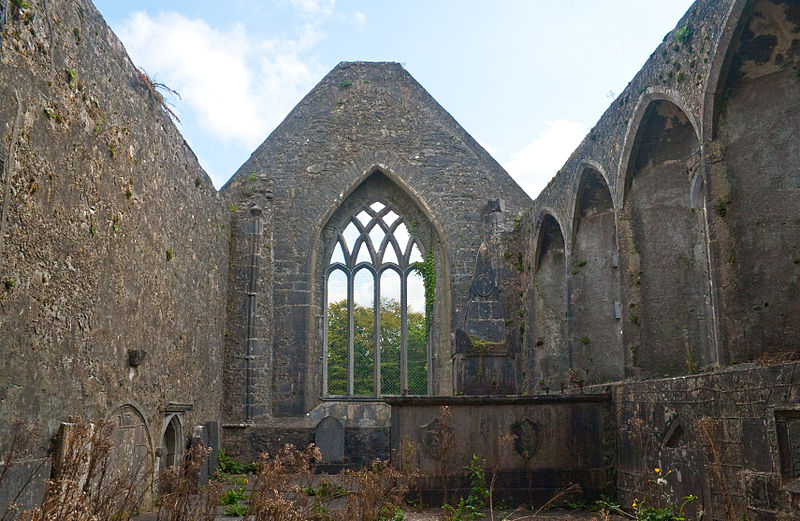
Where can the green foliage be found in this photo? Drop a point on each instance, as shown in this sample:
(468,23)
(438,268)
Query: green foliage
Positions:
(387,514)
(585,340)
(581,264)
(21,4)
(479,493)
(517,224)
(232,496)
(683,34)
(346,83)
(71,77)
(363,349)
(235,510)
(469,508)
(9,284)
(721,207)
(198,182)
(228,465)
(326,491)
(633,318)
(427,269)
(169,254)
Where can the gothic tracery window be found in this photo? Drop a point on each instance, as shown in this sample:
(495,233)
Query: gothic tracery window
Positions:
(376,336)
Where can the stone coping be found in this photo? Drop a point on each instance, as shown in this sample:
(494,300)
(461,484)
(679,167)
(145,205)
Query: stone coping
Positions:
(498,400)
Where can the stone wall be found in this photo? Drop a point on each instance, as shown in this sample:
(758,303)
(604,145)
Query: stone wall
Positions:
(112,240)
(534,446)
(730,438)
(699,265)
(366,131)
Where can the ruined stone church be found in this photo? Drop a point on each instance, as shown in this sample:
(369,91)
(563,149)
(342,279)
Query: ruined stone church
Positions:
(371,262)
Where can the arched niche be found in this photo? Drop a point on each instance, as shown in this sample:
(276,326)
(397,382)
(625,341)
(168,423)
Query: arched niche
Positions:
(595,340)
(550,350)
(662,245)
(132,455)
(755,188)
(171,451)
(366,258)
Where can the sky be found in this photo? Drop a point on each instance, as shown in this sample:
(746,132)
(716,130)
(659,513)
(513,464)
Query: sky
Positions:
(526,78)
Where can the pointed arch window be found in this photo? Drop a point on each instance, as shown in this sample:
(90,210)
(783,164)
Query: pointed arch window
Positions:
(376,338)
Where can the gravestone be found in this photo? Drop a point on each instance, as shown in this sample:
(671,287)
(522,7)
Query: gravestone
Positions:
(329,438)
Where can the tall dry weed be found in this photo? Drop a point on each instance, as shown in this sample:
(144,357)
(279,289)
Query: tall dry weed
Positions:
(181,500)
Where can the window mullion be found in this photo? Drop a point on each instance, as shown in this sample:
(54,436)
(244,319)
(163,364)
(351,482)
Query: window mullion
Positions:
(377,334)
(350,334)
(403,333)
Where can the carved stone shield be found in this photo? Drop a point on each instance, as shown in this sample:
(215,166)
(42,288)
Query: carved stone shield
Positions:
(527,438)
(437,438)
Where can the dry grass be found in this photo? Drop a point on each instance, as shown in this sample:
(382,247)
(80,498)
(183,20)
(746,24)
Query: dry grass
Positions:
(86,487)
(180,499)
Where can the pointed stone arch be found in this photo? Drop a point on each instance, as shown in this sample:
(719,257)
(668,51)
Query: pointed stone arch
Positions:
(382,214)
(662,242)
(550,357)
(594,305)
(752,103)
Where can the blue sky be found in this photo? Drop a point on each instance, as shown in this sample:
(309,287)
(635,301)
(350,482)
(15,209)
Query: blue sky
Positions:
(526,78)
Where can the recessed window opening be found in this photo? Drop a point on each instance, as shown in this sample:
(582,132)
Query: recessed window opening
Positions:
(376,333)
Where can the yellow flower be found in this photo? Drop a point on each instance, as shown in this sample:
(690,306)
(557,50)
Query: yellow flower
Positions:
(634,503)
(245,481)
(658,470)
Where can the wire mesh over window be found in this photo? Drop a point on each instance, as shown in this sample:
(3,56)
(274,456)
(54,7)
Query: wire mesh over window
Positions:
(375,328)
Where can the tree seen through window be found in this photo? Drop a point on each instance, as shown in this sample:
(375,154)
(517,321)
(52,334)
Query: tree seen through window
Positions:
(371,353)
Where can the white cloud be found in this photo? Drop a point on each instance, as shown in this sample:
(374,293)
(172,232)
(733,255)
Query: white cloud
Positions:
(360,19)
(537,163)
(313,8)
(238,86)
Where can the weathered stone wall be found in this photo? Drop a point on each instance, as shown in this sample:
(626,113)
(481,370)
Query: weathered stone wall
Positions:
(113,258)
(366,130)
(700,159)
(721,436)
(533,446)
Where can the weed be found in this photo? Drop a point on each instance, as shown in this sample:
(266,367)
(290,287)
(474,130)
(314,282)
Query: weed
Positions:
(198,182)
(585,340)
(517,223)
(92,230)
(155,89)
(633,318)
(128,193)
(9,284)
(721,207)
(169,254)
(683,34)
(183,501)
(346,83)
(21,4)
(235,510)
(77,33)
(228,465)
(582,264)
(71,77)
(86,485)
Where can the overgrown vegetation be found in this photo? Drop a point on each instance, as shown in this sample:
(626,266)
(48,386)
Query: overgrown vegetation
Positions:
(156,88)
(427,269)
